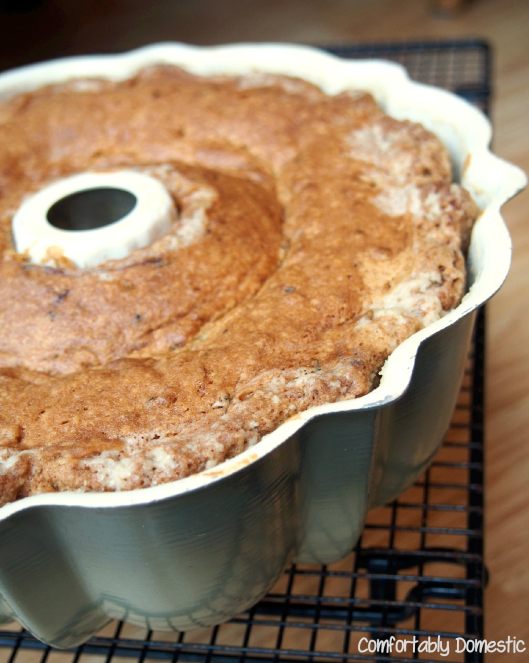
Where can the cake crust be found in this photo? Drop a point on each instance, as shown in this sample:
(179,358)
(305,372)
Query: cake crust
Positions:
(314,234)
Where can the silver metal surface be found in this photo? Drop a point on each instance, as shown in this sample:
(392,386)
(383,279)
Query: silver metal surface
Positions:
(198,551)
(199,558)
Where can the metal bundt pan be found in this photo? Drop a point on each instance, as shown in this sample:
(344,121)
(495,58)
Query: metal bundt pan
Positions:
(197,551)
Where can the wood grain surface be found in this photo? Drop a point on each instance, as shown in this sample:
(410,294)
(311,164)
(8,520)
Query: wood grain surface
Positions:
(61,28)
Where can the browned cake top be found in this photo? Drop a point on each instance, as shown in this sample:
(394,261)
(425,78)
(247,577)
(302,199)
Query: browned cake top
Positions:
(313,235)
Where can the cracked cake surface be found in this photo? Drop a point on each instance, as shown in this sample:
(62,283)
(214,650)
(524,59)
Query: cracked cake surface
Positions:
(313,235)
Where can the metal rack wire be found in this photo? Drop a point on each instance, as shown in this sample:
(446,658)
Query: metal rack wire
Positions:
(418,569)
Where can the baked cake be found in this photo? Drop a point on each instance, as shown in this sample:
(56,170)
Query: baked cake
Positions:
(313,235)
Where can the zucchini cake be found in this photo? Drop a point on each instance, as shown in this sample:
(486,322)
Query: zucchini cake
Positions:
(312,234)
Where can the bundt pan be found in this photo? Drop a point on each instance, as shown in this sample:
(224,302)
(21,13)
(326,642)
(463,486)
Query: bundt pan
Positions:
(197,551)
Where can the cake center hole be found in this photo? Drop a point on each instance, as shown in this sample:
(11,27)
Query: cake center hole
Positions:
(91,208)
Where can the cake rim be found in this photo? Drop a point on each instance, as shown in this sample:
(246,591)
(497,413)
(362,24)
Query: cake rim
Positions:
(461,127)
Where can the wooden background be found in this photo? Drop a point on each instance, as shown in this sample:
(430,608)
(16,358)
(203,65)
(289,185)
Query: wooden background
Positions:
(57,28)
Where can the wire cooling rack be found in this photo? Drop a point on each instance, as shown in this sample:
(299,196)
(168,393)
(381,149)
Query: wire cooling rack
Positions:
(418,569)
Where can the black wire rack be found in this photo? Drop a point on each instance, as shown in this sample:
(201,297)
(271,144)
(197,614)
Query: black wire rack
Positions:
(418,569)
